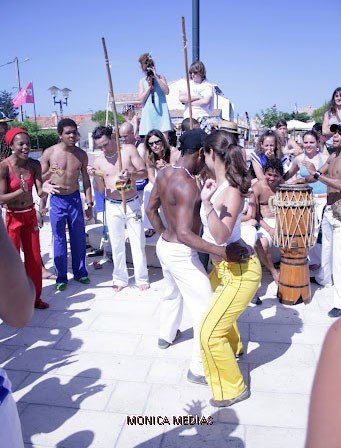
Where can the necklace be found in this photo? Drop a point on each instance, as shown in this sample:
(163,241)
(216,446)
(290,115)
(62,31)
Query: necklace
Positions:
(111,157)
(183,168)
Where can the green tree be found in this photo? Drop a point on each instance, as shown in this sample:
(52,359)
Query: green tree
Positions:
(46,137)
(100,115)
(269,117)
(317,115)
(6,105)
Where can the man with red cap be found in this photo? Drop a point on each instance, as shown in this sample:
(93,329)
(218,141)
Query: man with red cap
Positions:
(18,174)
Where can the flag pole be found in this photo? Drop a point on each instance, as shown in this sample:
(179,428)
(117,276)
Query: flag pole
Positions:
(35,116)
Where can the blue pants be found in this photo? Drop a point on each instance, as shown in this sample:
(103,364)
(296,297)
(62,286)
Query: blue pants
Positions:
(68,209)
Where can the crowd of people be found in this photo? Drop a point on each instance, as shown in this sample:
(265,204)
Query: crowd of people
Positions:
(198,194)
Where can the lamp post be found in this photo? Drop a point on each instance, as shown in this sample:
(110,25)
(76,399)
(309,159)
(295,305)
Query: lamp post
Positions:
(16,61)
(65,92)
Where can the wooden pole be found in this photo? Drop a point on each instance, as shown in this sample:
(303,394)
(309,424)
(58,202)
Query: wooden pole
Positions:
(187,74)
(114,111)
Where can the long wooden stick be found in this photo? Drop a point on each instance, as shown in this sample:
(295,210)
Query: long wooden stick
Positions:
(187,74)
(114,111)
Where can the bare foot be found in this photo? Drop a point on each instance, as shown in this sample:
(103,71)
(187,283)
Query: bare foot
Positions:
(47,275)
(144,286)
(97,265)
(117,288)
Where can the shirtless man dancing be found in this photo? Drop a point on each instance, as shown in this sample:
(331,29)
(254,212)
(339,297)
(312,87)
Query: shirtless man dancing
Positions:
(108,178)
(62,164)
(330,174)
(186,280)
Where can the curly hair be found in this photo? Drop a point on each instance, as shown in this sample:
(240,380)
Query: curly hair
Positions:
(152,157)
(99,131)
(146,61)
(231,154)
(278,145)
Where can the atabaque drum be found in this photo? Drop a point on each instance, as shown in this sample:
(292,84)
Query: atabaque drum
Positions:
(294,234)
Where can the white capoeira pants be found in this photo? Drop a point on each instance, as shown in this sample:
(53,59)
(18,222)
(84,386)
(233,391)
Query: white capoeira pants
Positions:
(315,252)
(330,271)
(185,281)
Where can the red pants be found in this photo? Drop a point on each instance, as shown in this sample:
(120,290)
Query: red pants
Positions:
(23,228)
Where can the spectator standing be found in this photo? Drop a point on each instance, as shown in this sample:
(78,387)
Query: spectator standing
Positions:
(152,95)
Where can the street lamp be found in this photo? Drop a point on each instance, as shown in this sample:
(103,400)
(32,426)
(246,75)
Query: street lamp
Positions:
(65,92)
(16,61)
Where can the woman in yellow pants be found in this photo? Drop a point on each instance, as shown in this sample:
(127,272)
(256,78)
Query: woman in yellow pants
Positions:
(221,211)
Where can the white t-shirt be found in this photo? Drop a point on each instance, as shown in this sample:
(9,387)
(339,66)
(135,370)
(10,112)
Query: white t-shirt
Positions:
(203,89)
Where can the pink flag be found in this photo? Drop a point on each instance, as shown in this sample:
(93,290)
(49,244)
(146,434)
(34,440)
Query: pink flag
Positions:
(24,96)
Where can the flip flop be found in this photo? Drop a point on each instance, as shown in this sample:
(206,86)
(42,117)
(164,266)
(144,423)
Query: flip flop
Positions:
(49,276)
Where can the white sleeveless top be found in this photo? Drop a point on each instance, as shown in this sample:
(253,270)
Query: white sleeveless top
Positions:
(207,236)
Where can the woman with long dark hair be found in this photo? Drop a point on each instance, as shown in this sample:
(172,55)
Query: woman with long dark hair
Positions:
(158,154)
(332,116)
(234,284)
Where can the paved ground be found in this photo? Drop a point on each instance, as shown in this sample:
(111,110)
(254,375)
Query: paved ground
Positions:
(81,367)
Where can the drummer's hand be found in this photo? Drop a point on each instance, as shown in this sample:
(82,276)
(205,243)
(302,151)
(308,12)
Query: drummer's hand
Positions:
(299,181)
(310,166)
(208,189)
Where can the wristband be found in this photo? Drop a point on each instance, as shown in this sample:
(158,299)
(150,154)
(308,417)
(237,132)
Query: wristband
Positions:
(90,204)
(316,175)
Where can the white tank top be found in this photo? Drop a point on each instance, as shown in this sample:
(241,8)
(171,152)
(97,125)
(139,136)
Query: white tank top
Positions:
(207,236)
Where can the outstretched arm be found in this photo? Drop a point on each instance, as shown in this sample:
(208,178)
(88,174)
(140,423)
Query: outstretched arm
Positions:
(17,292)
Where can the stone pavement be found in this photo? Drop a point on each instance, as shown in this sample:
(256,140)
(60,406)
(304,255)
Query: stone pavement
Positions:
(89,361)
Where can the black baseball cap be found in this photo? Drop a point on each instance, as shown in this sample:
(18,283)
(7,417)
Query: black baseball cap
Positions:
(335,127)
(192,140)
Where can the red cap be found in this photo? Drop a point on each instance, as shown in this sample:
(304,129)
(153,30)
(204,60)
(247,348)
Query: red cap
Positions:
(9,136)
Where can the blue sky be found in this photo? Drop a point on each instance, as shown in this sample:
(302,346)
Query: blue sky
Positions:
(260,53)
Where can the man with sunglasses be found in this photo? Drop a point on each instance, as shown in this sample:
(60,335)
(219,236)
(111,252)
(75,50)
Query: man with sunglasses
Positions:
(329,174)
(108,179)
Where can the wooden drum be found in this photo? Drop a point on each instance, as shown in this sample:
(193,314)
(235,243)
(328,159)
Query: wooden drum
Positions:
(294,234)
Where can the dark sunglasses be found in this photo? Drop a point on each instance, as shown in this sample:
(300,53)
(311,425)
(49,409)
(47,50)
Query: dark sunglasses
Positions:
(155,142)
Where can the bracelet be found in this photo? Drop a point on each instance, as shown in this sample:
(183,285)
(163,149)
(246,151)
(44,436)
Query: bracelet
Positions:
(90,204)
(208,214)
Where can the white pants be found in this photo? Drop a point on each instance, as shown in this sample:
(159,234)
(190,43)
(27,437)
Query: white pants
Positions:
(330,270)
(316,251)
(10,429)
(117,220)
(185,281)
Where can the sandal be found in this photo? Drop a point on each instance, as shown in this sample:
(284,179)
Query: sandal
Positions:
(149,232)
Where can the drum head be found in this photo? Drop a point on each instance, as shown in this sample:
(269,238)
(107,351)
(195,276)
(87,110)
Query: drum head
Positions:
(297,187)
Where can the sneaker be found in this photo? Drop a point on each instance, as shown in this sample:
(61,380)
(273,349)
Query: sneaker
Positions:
(162,343)
(60,286)
(335,312)
(83,280)
(197,379)
(226,403)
